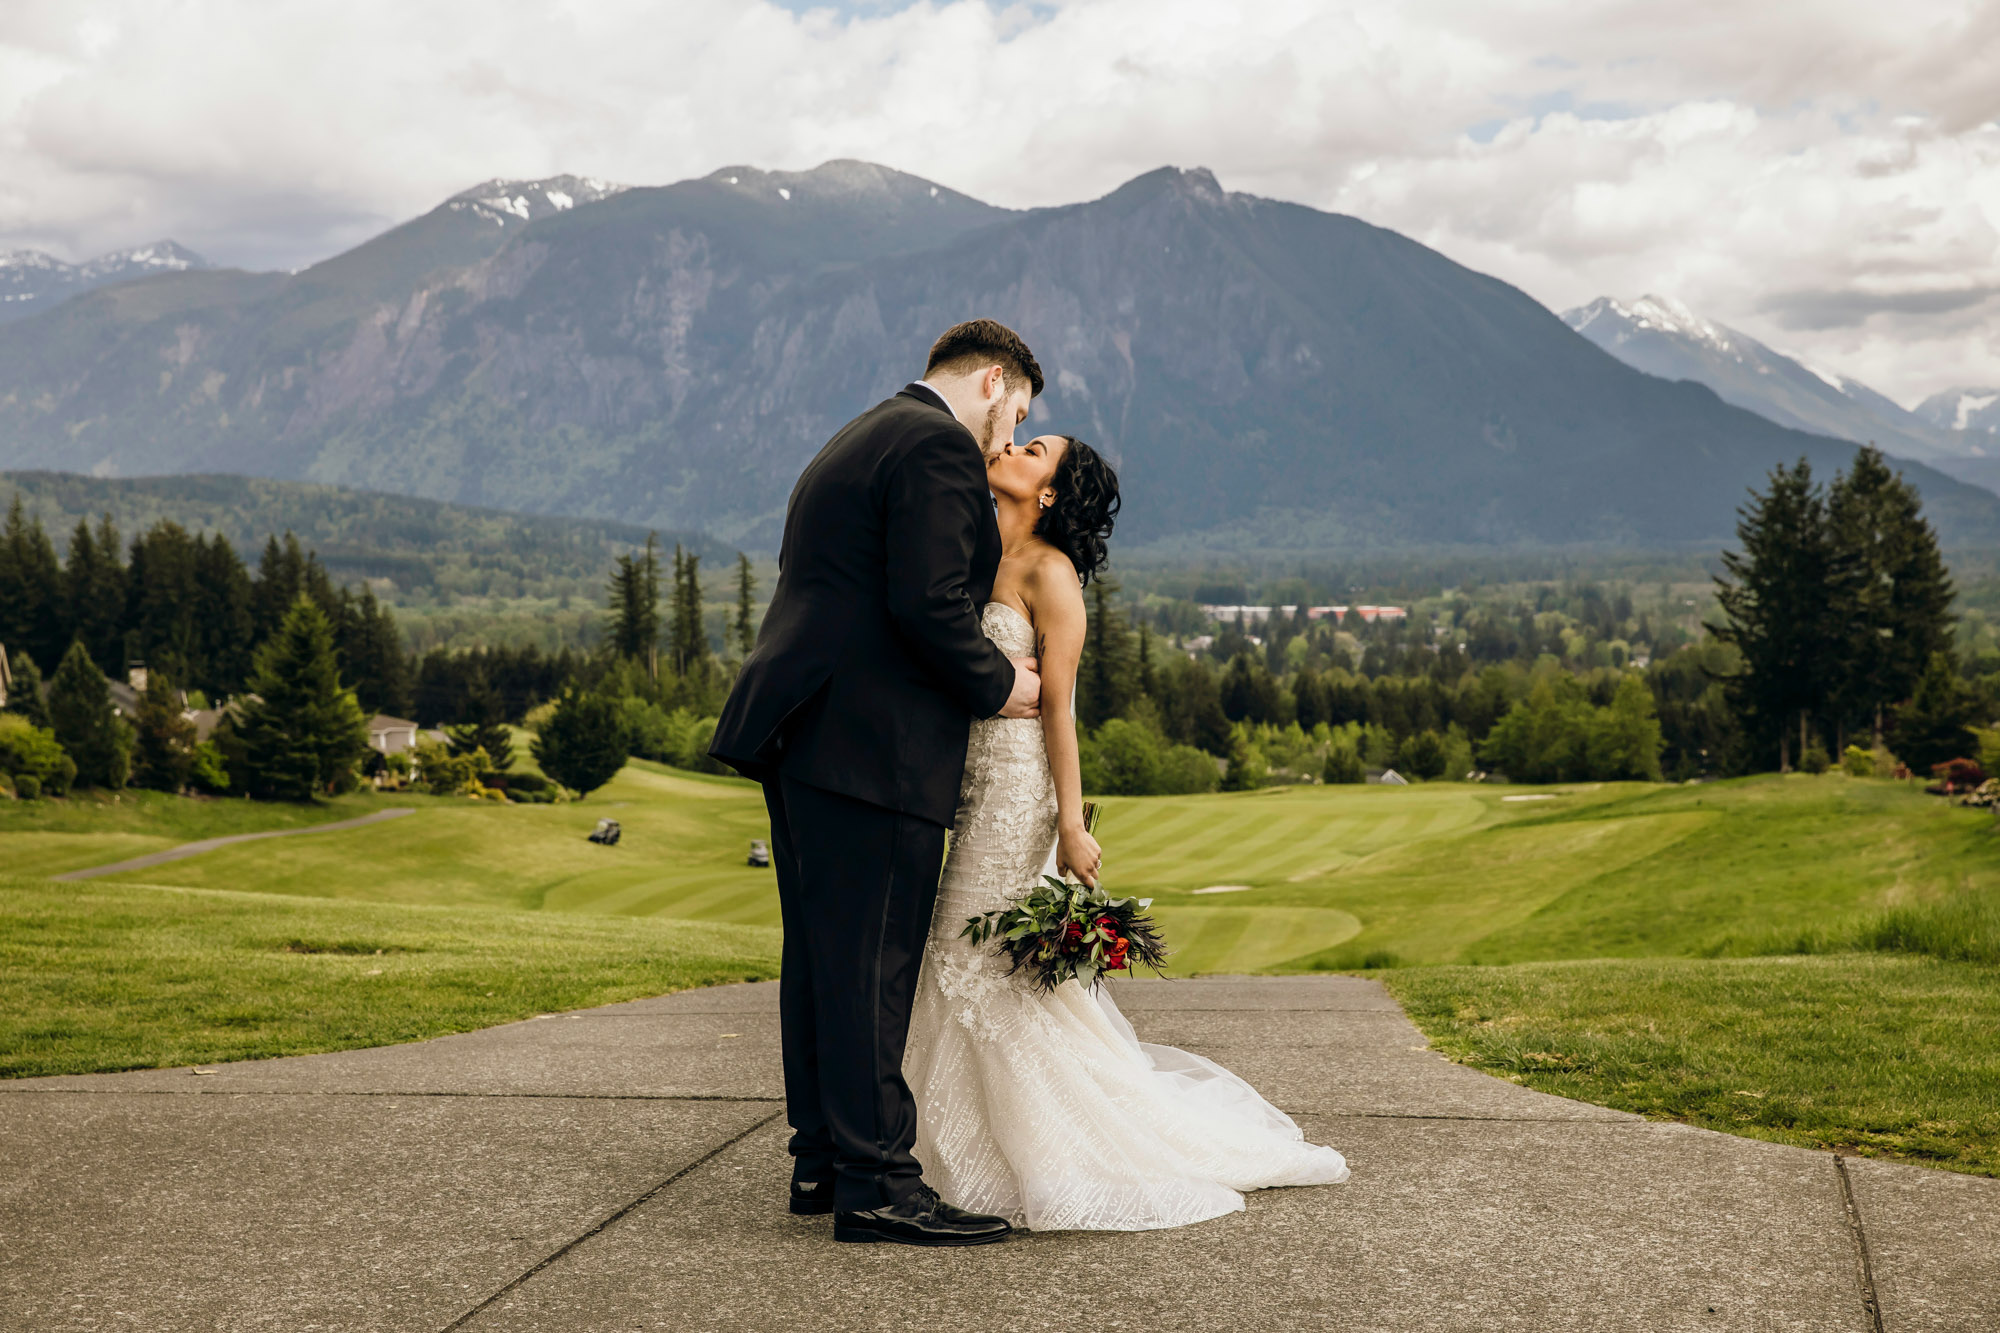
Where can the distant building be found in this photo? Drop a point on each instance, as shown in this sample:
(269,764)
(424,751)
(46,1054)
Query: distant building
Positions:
(1258,615)
(392,735)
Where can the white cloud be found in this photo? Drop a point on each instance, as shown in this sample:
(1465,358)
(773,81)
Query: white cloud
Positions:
(1823,173)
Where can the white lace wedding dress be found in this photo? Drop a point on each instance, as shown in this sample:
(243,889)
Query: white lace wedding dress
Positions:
(1046,1108)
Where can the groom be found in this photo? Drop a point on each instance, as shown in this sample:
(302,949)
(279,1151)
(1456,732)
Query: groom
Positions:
(853,712)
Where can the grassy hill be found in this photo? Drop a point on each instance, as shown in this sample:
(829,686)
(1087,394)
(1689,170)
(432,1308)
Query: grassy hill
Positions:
(1317,877)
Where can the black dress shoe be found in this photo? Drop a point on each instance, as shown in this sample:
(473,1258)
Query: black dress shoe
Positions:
(919,1219)
(812,1198)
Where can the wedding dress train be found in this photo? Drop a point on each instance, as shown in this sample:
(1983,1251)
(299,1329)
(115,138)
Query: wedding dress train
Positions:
(1046,1108)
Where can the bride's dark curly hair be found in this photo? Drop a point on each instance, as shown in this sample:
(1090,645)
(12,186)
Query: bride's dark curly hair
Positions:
(1079,522)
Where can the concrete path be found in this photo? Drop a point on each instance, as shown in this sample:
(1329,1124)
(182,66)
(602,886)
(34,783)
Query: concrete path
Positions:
(188,849)
(624,1168)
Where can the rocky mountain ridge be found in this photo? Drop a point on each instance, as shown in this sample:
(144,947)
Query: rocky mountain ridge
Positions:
(1268,376)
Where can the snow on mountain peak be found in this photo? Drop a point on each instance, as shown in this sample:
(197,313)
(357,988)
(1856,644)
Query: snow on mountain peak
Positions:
(503,201)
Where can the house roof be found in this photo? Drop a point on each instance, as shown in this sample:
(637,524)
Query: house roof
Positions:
(383,722)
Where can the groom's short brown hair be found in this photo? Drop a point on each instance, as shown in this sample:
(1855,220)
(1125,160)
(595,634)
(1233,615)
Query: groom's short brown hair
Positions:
(985,342)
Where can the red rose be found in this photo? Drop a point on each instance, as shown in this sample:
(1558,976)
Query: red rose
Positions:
(1115,958)
(1072,934)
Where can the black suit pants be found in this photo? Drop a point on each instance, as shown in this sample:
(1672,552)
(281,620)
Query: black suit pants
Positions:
(856,883)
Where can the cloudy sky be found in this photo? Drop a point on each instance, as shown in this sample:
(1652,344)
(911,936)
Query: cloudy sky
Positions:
(1824,174)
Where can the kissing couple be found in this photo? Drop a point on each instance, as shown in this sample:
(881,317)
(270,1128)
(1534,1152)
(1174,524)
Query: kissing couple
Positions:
(914,674)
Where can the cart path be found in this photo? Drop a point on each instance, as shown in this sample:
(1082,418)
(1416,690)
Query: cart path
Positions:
(187,849)
(624,1168)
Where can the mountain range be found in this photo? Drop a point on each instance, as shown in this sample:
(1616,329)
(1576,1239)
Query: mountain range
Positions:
(1267,375)
(1957,432)
(31,282)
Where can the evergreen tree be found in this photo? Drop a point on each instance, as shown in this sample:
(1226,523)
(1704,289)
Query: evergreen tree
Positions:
(85,723)
(163,749)
(633,607)
(161,586)
(687,637)
(1935,725)
(484,728)
(31,592)
(371,655)
(746,592)
(94,594)
(583,744)
(224,619)
(303,734)
(1106,675)
(25,696)
(1895,606)
(1775,598)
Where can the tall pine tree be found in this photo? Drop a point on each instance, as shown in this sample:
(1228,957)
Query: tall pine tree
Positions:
(687,637)
(1778,615)
(1895,602)
(94,594)
(31,592)
(303,733)
(163,748)
(746,593)
(26,696)
(484,727)
(1105,675)
(633,606)
(86,725)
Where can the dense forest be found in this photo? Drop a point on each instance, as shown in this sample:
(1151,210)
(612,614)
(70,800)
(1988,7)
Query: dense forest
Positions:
(1826,635)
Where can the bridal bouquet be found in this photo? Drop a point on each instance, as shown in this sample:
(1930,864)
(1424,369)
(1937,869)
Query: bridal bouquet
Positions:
(1063,930)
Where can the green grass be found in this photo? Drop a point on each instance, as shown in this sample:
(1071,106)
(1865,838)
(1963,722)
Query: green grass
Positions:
(683,853)
(1456,874)
(93,828)
(1333,878)
(99,976)
(1876,1055)
(1625,932)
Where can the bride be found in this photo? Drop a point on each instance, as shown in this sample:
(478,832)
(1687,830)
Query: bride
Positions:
(1045,1108)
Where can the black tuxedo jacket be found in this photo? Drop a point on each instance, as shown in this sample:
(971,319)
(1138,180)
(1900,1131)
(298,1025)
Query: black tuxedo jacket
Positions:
(871,665)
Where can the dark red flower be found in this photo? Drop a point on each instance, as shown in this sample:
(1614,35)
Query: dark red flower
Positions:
(1072,934)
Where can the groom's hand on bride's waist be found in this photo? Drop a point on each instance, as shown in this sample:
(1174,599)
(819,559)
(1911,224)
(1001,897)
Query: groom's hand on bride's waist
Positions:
(1026,698)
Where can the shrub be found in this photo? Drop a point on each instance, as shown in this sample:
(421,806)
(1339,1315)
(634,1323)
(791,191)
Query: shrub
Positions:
(1248,768)
(6,784)
(1187,771)
(1857,762)
(1343,764)
(27,750)
(442,773)
(1958,774)
(208,771)
(1814,760)
(1421,755)
(27,786)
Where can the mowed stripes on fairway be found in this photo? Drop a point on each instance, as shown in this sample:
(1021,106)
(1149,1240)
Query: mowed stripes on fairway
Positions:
(1272,837)
(686,838)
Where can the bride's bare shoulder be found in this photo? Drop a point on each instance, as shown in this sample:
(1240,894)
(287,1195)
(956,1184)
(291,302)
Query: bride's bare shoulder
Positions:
(1052,581)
